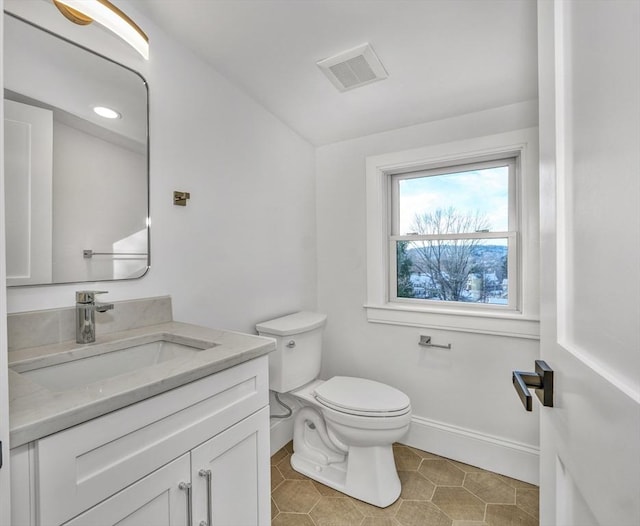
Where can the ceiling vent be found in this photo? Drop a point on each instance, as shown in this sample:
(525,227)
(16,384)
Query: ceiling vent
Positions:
(353,68)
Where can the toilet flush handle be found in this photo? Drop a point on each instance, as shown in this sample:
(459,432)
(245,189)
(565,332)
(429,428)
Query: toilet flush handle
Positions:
(291,344)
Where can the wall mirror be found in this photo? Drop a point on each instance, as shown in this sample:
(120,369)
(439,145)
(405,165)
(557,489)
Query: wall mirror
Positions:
(76,183)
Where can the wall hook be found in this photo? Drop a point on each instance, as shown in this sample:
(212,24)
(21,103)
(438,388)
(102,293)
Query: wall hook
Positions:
(180,198)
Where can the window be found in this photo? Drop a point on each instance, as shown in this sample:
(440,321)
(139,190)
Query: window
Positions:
(453,235)
(453,238)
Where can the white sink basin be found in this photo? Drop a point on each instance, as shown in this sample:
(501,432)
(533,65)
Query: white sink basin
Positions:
(78,369)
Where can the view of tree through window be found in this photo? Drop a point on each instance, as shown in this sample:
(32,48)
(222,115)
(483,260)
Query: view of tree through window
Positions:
(451,235)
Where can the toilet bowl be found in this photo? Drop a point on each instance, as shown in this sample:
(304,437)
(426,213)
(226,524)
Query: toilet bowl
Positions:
(354,452)
(344,432)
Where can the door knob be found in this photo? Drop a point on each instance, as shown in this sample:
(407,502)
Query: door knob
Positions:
(541,381)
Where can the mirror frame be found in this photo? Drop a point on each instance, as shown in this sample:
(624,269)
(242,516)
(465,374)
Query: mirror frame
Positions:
(147,156)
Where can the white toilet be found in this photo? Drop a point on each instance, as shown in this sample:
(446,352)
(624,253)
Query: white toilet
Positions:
(342,437)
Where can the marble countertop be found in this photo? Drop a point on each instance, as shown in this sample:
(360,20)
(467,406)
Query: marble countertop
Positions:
(36,411)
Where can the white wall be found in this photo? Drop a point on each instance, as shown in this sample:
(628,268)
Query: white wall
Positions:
(244,248)
(100,197)
(464,404)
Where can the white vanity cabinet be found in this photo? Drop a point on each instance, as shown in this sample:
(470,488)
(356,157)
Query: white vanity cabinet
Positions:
(196,451)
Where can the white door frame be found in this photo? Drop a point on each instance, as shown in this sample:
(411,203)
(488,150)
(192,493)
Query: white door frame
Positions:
(5,496)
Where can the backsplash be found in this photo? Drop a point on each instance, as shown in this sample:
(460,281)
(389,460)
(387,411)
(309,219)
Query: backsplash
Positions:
(46,327)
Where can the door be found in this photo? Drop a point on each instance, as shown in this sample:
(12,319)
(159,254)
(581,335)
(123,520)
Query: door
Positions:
(236,464)
(589,57)
(154,500)
(28,183)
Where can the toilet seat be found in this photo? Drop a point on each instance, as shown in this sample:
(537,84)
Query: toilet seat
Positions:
(362,397)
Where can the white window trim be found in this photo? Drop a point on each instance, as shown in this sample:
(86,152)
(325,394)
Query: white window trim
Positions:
(524,322)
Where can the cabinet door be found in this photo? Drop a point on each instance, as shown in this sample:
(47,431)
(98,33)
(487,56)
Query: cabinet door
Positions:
(156,499)
(238,460)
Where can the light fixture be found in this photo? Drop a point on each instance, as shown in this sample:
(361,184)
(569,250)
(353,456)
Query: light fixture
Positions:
(107,113)
(83,12)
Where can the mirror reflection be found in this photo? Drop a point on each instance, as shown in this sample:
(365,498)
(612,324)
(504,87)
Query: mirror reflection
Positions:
(76,181)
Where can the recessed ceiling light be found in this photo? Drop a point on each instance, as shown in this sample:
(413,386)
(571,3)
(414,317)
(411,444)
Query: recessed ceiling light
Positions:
(107,113)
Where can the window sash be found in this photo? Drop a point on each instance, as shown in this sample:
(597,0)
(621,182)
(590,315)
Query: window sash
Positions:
(512,235)
(510,162)
(470,235)
(512,269)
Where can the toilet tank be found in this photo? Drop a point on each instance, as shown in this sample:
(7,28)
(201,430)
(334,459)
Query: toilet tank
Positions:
(296,360)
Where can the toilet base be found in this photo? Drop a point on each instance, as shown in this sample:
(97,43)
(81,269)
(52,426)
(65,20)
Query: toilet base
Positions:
(332,475)
(368,474)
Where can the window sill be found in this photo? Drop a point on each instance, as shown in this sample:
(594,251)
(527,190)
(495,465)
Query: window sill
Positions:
(510,324)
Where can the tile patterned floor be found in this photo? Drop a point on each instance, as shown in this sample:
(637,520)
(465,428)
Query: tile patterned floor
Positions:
(435,492)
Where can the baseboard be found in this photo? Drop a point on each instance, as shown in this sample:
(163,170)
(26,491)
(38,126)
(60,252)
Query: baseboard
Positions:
(282,428)
(510,458)
(281,434)
(513,459)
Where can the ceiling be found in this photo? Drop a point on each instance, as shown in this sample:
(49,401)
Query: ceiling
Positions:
(444,57)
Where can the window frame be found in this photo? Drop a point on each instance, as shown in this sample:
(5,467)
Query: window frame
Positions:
(522,322)
(511,234)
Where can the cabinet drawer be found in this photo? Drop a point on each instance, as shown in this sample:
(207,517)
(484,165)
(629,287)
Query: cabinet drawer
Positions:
(85,464)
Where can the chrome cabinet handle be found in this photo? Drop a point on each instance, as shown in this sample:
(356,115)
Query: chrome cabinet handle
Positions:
(186,486)
(291,344)
(541,381)
(207,474)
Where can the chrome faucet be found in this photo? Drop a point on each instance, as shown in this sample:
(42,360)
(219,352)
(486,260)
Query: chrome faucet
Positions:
(86,308)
